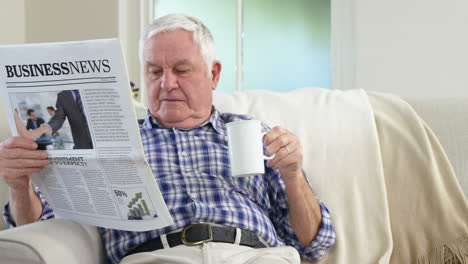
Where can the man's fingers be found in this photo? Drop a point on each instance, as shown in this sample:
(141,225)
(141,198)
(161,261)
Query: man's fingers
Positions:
(281,154)
(278,143)
(18,153)
(273,134)
(24,163)
(46,129)
(285,159)
(19,142)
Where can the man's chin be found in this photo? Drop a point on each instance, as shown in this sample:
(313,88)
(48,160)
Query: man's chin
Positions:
(171,117)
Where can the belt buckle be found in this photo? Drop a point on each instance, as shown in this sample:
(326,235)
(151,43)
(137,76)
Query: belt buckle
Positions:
(199,242)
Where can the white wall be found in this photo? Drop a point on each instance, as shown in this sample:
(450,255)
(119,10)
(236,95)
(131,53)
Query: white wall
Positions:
(12,31)
(12,21)
(65,20)
(27,21)
(411,48)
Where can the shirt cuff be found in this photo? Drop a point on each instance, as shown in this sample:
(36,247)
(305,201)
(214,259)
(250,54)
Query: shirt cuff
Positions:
(324,239)
(46,213)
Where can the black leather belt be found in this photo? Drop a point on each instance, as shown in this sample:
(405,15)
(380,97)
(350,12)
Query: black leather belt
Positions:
(198,234)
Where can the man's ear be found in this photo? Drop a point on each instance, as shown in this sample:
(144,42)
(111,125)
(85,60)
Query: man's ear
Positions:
(215,74)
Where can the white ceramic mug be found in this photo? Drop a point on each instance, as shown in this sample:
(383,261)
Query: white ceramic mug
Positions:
(245,140)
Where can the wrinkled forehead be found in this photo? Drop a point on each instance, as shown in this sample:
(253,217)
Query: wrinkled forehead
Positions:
(171,47)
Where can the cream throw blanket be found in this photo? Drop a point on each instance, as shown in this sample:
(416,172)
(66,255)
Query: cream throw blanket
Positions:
(386,180)
(428,211)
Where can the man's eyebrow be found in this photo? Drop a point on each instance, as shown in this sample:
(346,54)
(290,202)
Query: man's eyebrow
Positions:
(181,62)
(149,64)
(184,61)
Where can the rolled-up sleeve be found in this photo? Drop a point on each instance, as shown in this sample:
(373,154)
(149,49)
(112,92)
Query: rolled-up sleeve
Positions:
(47,212)
(279,214)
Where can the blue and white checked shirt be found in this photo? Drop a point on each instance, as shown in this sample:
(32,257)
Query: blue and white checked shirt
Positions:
(192,170)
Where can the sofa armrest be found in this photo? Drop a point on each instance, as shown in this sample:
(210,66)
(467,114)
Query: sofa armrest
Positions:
(54,241)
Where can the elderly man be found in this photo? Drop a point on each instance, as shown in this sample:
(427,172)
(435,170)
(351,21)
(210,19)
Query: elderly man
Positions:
(266,218)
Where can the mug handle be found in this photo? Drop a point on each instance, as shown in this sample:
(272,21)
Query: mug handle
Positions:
(264,156)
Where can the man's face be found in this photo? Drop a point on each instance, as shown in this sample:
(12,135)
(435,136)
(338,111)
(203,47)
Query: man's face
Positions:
(51,112)
(179,87)
(33,115)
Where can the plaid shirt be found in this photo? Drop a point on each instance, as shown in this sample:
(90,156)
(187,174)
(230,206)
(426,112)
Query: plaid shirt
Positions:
(193,173)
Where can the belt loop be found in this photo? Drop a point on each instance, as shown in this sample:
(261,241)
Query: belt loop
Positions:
(237,240)
(164,242)
(263,241)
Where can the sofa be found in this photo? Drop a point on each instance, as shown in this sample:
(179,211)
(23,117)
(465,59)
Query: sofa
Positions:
(306,112)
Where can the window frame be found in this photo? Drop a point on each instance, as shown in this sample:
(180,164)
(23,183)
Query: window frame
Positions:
(135,15)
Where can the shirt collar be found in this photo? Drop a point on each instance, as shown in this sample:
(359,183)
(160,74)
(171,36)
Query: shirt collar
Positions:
(215,120)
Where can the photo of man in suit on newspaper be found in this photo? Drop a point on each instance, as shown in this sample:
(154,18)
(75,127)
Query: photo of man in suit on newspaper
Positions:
(74,134)
(70,106)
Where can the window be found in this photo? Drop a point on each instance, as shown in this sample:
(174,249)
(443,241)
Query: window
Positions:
(276,45)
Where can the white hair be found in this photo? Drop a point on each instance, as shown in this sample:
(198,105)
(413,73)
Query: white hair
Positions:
(201,34)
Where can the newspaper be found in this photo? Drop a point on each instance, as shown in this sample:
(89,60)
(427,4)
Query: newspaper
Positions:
(74,100)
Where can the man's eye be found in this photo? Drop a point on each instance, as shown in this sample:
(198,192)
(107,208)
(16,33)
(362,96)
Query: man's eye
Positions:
(181,71)
(154,73)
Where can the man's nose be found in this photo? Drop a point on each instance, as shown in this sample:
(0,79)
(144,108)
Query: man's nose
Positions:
(169,81)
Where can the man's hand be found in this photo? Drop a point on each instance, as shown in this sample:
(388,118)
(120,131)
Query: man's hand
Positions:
(18,159)
(304,210)
(288,150)
(46,129)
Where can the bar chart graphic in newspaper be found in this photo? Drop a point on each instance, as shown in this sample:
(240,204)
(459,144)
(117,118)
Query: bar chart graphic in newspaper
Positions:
(135,205)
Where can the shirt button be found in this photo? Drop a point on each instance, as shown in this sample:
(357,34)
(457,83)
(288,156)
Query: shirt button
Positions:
(184,153)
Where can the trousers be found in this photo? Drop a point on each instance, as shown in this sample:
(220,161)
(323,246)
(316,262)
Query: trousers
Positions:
(216,253)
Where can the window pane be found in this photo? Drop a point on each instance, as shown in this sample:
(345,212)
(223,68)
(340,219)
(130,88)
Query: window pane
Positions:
(220,18)
(286,44)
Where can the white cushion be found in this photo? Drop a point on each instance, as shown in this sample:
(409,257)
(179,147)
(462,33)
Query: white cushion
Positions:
(18,253)
(53,242)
